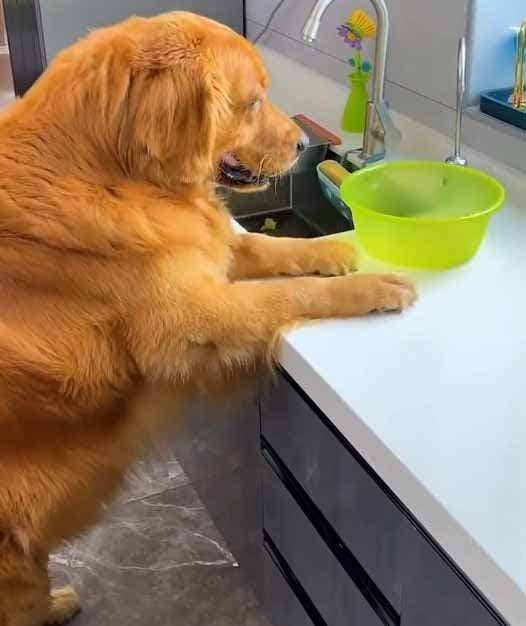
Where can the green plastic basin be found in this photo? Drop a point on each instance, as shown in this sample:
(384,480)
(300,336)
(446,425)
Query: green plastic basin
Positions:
(421,214)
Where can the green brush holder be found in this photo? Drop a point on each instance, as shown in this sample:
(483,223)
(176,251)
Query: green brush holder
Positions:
(353,119)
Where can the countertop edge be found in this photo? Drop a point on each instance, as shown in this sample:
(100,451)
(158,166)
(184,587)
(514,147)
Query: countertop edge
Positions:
(499,589)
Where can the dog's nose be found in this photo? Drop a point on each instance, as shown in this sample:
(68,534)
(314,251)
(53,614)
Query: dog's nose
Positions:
(303,143)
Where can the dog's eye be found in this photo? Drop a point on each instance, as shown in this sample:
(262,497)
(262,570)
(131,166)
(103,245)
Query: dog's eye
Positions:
(255,104)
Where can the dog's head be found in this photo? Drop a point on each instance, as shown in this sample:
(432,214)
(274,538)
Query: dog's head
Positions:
(178,99)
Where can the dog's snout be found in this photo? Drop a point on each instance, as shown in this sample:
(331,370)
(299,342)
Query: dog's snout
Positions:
(303,143)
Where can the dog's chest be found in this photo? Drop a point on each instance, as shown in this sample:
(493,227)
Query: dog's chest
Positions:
(220,237)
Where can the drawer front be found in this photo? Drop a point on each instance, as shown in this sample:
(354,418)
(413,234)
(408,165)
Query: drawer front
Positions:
(435,594)
(334,594)
(367,521)
(281,605)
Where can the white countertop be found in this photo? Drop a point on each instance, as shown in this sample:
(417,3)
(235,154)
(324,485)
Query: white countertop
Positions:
(434,399)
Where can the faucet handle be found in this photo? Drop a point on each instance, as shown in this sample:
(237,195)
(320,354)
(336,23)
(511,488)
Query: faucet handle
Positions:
(392,134)
(381,137)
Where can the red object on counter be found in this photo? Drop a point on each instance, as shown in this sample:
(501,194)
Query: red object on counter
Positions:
(333,139)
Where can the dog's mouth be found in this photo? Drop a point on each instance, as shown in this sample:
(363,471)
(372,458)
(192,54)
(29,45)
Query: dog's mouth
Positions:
(233,174)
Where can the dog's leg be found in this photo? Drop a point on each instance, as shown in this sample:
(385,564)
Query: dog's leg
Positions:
(65,604)
(24,587)
(237,324)
(259,256)
(25,596)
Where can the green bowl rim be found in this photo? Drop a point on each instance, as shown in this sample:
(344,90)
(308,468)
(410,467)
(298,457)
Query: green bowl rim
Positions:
(426,220)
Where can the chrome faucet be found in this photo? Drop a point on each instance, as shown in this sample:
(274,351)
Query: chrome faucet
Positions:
(378,125)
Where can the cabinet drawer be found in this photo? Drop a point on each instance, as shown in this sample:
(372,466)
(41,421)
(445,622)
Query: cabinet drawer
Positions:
(435,594)
(281,605)
(334,594)
(367,520)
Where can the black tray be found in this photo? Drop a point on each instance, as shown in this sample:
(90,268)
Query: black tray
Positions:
(495,103)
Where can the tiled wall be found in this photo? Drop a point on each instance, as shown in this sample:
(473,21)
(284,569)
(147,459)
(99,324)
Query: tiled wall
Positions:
(63,21)
(423,48)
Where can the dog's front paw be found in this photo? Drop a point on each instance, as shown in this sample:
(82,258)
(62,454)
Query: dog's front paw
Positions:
(386,292)
(360,294)
(330,257)
(393,292)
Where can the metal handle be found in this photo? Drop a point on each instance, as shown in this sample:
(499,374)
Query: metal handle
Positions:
(461,90)
(457,158)
(461,69)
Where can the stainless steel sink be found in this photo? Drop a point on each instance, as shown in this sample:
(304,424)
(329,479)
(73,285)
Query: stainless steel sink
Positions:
(295,203)
(287,224)
(276,197)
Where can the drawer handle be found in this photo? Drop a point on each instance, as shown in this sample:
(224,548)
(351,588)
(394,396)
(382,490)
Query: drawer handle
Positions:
(366,585)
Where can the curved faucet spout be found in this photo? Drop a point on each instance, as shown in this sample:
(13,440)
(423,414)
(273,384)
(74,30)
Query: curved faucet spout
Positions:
(312,26)
(313,21)
(373,139)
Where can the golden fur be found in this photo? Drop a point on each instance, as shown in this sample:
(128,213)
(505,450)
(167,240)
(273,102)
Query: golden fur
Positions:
(120,272)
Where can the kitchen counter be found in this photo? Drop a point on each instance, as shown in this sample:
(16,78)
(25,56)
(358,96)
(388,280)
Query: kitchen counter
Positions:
(433,399)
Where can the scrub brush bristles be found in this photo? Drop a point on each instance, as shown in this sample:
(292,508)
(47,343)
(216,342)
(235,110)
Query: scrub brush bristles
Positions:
(361,24)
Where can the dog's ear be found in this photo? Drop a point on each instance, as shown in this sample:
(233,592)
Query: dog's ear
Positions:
(176,101)
(161,45)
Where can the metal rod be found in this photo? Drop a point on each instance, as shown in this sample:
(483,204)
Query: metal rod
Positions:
(461,90)
(457,158)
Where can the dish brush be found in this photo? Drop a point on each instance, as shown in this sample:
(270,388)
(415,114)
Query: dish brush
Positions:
(518,97)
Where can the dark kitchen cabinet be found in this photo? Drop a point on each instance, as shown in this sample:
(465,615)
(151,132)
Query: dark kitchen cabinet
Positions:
(283,607)
(405,577)
(367,521)
(333,592)
(435,594)
(320,536)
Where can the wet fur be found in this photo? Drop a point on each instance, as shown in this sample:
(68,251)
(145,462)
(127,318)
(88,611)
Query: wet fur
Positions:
(121,276)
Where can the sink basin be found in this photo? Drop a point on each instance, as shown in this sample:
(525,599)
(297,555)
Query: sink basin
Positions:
(421,214)
(296,203)
(286,224)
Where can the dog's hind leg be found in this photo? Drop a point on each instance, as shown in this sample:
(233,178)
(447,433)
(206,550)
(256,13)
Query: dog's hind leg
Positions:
(24,586)
(65,604)
(25,595)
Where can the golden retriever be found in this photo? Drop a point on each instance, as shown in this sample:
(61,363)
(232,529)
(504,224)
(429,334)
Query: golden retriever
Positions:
(120,271)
